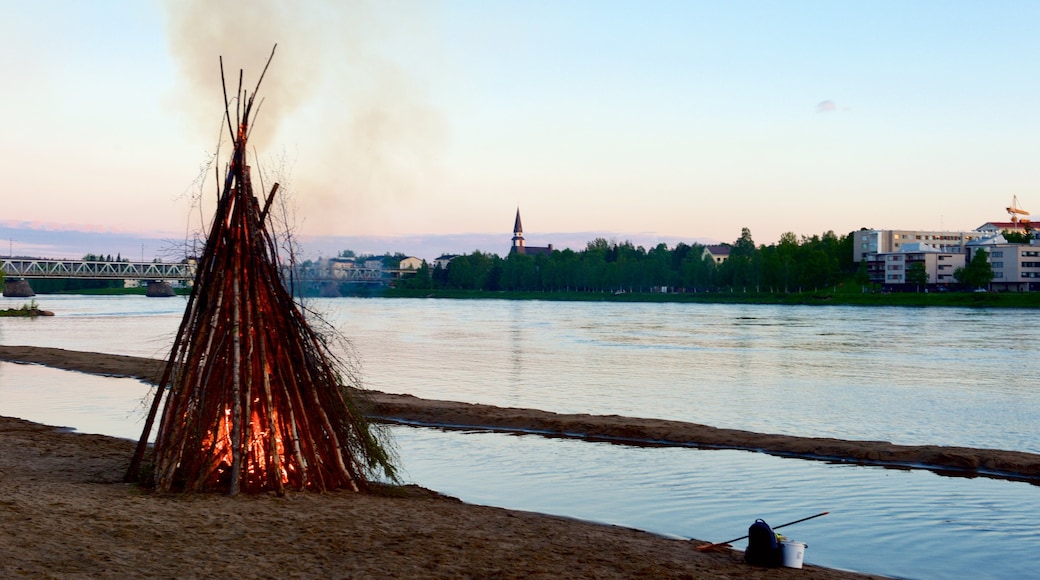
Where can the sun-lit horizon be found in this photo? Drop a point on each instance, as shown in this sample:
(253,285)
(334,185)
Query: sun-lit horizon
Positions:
(674,121)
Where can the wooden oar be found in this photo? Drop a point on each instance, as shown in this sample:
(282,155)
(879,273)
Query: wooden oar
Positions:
(707,547)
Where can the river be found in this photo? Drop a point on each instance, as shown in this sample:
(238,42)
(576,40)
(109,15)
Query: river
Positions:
(908,375)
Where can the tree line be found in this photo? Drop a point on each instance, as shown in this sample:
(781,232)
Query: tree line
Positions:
(791,265)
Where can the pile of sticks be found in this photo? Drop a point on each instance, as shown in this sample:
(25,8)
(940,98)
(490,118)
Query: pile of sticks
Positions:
(255,397)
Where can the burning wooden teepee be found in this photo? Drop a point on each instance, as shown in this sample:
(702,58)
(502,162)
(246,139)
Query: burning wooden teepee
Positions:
(255,398)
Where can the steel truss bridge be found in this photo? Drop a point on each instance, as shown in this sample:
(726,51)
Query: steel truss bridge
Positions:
(349,275)
(30,268)
(42,268)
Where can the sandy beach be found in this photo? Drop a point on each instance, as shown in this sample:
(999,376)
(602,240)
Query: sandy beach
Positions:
(67,511)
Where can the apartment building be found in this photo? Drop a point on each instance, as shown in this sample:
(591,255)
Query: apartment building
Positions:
(882,252)
(870,243)
(889,253)
(938,264)
(1016,267)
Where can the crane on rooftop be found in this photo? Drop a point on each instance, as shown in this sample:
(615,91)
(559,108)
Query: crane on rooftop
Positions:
(1016,212)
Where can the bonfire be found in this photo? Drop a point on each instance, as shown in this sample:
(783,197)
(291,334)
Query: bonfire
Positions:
(255,396)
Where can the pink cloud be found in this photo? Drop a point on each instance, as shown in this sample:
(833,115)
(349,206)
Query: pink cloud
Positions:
(64,227)
(827,106)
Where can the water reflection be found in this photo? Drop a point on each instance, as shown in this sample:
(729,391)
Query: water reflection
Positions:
(516,346)
(914,376)
(87,403)
(921,522)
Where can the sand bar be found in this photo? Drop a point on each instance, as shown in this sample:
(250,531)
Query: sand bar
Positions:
(66,511)
(946,460)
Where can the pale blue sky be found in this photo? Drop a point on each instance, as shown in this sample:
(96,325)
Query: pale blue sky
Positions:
(686,120)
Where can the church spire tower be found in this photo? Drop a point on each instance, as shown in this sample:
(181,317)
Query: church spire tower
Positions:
(518,234)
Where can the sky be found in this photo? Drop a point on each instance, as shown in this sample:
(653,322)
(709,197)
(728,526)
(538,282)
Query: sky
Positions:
(424,121)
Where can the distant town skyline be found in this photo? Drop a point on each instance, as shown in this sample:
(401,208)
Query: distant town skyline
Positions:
(36,240)
(433,120)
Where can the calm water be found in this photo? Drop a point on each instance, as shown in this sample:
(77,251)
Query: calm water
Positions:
(915,376)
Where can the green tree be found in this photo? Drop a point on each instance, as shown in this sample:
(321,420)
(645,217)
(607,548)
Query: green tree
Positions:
(421,280)
(786,260)
(518,272)
(659,267)
(739,270)
(607,266)
(818,261)
(565,267)
(917,275)
(845,249)
(862,275)
(630,267)
(978,273)
(476,271)
(1016,237)
(392,260)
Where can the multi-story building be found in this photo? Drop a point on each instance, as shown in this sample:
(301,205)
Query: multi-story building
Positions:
(939,265)
(870,245)
(1016,267)
(888,254)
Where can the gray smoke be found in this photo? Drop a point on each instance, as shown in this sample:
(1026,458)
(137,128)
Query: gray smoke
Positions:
(351,119)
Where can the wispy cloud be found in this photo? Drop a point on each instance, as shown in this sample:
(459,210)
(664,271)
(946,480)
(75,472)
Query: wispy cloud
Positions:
(830,106)
(827,106)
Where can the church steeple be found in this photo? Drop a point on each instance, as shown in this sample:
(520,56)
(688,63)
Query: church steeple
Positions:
(518,234)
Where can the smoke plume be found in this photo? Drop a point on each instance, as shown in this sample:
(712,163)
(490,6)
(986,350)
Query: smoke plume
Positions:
(340,100)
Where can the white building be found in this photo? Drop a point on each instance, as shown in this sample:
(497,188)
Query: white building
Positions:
(717,253)
(410,263)
(939,265)
(443,260)
(1016,267)
(869,243)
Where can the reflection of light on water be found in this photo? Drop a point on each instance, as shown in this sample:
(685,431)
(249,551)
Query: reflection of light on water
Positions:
(87,403)
(130,325)
(516,349)
(921,521)
(914,376)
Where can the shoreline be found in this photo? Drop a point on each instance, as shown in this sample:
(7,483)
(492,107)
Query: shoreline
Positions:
(615,429)
(823,297)
(66,512)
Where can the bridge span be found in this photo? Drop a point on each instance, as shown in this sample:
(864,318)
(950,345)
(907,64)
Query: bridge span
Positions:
(17,272)
(44,268)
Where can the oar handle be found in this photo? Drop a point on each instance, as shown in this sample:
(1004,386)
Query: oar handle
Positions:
(709,546)
(800,521)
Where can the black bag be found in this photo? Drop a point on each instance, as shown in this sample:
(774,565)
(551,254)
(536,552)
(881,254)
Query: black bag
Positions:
(762,548)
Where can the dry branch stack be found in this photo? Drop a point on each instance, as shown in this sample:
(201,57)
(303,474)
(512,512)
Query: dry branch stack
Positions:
(255,398)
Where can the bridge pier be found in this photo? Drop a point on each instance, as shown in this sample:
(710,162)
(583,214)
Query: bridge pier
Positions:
(329,290)
(159,289)
(17,289)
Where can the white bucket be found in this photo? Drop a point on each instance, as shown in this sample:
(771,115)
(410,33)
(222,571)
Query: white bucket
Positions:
(793,553)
